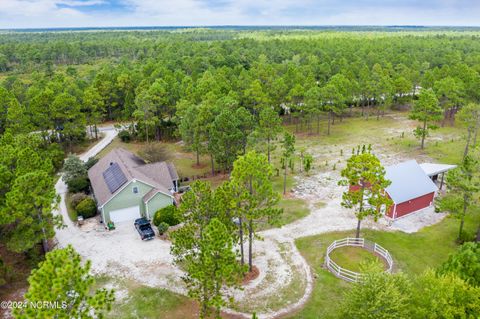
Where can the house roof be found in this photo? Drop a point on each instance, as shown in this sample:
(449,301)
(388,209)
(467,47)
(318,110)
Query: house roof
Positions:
(409,181)
(120,166)
(432,169)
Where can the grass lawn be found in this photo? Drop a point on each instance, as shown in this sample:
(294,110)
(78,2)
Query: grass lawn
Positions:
(412,254)
(71,212)
(353,258)
(146,302)
(446,145)
(293,209)
(138,301)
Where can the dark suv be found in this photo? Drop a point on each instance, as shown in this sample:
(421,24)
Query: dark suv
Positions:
(144,228)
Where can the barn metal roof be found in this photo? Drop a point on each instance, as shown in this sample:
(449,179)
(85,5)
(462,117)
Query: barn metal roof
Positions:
(432,169)
(409,181)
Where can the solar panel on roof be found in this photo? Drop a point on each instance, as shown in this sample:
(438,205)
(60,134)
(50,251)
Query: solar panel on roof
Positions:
(114,177)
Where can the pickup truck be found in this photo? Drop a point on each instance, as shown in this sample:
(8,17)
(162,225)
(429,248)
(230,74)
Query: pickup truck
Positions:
(144,228)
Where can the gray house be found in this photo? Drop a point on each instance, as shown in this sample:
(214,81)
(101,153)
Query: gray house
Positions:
(126,188)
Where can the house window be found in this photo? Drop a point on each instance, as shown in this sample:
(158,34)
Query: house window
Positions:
(135,189)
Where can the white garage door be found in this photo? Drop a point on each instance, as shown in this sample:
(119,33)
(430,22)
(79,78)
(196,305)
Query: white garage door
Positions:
(125,214)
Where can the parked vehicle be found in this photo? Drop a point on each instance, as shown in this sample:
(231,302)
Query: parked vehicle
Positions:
(144,228)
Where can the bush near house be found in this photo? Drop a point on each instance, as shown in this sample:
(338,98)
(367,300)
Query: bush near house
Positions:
(162,228)
(90,162)
(78,185)
(154,152)
(168,215)
(87,208)
(73,168)
(77,198)
(125,136)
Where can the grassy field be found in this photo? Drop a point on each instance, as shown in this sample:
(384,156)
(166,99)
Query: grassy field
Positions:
(446,145)
(412,254)
(146,302)
(135,301)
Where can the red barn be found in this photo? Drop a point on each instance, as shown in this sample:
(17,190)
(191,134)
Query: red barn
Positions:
(411,188)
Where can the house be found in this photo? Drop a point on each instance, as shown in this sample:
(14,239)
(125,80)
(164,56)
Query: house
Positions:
(411,189)
(126,188)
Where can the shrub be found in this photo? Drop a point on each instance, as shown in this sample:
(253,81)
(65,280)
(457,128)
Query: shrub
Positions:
(78,185)
(87,208)
(168,215)
(162,228)
(154,152)
(77,198)
(465,263)
(73,168)
(90,162)
(125,136)
(5,273)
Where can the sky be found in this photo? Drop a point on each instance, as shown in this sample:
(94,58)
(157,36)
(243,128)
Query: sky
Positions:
(111,13)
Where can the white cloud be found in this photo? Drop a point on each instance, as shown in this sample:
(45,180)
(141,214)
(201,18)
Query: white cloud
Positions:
(48,13)
(80,3)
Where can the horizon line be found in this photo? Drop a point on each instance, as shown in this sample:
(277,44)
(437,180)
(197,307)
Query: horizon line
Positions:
(244,26)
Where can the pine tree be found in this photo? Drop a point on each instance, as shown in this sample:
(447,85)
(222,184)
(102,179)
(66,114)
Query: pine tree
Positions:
(64,280)
(365,177)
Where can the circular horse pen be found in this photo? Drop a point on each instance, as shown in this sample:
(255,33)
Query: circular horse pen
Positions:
(349,275)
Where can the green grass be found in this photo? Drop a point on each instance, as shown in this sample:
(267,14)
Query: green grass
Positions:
(412,254)
(354,258)
(146,302)
(138,301)
(446,145)
(278,183)
(293,209)
(71,212)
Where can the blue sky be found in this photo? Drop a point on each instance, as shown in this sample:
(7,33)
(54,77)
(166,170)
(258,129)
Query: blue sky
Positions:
(97,13)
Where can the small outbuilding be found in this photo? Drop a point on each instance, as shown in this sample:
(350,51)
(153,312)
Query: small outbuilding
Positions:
(411,189)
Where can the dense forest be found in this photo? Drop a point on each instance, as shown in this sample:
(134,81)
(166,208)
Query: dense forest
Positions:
(63,80)
(221,91)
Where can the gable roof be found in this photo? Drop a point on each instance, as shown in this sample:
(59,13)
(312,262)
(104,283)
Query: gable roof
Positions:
(409,181)
(120,166)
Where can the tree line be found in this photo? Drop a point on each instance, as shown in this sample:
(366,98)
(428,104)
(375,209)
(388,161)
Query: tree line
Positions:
(300,78)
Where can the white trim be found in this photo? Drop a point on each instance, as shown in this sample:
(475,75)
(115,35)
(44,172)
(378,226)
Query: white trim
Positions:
(158,191)
(148,200)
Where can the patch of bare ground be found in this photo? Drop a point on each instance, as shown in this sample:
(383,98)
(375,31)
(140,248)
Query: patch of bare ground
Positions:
(251,275)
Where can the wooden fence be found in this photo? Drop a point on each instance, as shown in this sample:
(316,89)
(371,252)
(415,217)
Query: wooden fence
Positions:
(349,275)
